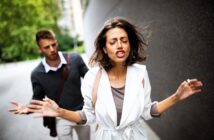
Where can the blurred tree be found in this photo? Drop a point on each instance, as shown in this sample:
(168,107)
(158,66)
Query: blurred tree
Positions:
(19,22)
(65,41)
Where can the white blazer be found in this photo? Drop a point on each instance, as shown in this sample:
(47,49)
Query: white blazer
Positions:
(136,106)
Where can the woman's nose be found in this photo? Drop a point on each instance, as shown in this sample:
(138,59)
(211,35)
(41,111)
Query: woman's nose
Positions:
(119,44)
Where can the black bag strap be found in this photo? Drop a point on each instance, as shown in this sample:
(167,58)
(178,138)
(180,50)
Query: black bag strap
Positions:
(64,76)
(50,122)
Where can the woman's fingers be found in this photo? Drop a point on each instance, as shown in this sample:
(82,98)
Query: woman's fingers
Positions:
(12,110)
(34,106)
(198,84)
(37,102)
(35,110)
(16,112)
(14,102)
(194,82)
(197,90)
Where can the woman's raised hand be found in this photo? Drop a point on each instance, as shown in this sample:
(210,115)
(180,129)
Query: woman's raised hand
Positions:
(188,88)
(47,108)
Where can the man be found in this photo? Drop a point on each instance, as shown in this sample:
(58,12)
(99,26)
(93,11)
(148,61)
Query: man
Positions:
(58,77)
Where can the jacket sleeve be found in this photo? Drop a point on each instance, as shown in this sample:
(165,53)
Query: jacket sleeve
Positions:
(147,96)
(86,89)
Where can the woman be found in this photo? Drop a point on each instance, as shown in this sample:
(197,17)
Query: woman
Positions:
(123,95)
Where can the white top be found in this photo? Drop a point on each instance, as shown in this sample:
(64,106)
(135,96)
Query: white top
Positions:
(136,106)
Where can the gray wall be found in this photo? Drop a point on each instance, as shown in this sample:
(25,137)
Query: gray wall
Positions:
(181,46)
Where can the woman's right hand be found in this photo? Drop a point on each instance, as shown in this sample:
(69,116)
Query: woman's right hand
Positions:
(46,108)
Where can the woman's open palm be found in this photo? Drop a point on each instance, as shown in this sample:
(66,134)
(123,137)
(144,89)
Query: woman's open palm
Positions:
(47,107)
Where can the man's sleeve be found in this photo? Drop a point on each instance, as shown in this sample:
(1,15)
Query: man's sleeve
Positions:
(38,92)
(82,67)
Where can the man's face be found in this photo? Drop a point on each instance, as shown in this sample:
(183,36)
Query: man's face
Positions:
(49,48)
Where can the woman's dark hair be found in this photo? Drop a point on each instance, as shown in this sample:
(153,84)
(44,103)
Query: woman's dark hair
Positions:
(136,40)
(44,34)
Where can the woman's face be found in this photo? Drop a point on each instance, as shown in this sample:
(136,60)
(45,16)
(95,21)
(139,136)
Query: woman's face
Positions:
(117,45)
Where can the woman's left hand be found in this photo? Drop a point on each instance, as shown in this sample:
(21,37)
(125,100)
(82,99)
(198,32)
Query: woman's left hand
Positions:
(188,88)
(46,108)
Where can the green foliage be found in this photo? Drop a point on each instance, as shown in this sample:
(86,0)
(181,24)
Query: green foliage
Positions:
(65,42)
(80,49)
(68,43)
(19,22)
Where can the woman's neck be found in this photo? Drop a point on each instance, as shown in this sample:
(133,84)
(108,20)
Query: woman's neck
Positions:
(118,70)
(117,75)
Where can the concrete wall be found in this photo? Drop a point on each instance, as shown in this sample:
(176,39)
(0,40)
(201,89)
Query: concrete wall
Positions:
(181,46)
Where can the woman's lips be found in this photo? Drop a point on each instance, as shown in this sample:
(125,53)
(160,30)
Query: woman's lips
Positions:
(120,54)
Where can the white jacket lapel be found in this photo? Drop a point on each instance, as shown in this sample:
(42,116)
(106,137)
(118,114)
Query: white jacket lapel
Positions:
(108,98)
(131,91)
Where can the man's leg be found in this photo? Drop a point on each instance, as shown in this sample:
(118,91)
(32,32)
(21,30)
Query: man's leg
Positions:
(64,129)
(83,132)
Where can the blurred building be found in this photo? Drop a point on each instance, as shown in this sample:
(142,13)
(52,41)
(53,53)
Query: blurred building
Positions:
(71,20)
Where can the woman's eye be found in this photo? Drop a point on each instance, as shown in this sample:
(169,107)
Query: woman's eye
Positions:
(124,40)
(112,43)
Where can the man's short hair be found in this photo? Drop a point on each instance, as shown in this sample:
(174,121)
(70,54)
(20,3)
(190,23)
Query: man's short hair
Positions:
(44,34)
